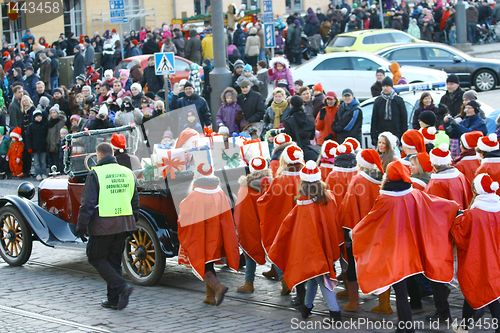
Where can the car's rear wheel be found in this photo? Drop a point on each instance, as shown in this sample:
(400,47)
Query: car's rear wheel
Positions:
(485,80)
(144,261)
(16,240)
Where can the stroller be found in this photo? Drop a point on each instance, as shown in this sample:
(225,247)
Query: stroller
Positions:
(486,34)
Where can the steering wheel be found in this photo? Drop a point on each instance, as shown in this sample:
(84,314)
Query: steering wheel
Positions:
(90,161)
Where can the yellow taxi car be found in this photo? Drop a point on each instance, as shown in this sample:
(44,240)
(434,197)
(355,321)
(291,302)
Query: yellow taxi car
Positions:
(369,40)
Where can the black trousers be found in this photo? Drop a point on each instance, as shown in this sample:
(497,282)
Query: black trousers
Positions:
(209,267)
(414,292)
(105,254)
(26,157)
(469,313)
(351,266)
(403,306)
(440,293)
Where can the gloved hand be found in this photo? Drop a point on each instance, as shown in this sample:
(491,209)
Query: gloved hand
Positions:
(328,137)
(18,160)
(322,114)
(30,151)
(270,72)
(336,129)
(81,234)
(244,125)
(239,115)
(177,89)
(119,102)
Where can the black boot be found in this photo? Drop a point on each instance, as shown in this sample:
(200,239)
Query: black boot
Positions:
(301,295)
(305,311)
(335,315)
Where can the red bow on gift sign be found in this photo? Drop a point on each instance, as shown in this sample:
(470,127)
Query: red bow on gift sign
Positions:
(208,131)
(169,165)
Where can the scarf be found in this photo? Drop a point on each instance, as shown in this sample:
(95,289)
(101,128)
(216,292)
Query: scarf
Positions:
(278,111)
(388,99)
(468,152)
(487,202)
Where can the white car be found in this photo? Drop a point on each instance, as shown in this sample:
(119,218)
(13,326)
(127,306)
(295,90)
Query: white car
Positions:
(411,99)
(356,70)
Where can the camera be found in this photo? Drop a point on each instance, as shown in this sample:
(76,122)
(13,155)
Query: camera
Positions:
(102,116)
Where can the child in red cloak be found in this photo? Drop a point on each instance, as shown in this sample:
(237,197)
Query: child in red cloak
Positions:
(15,154)
(281,141)
(468,162)
(421,170)
(489,151)
(247,219)
(447,183)
(206,231)
(476,234)
(275,204)
(312,224)
(383,239)
(361,194)
(327,158)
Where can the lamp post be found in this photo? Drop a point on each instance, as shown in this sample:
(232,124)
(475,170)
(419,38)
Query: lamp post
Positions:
(461,25)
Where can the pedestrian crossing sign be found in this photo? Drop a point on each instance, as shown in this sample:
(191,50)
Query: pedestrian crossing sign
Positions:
(164,63)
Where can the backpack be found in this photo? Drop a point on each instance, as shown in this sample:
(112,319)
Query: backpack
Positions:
(242,39)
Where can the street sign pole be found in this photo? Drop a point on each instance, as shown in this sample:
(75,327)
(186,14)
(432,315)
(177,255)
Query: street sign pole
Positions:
(121,40)
(165,87)
(268,25)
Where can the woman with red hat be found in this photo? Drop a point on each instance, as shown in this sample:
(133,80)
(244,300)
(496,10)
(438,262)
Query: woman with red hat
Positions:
(413,143)
(326,116)
(468,161)
(327,158)
(312,224)
(344,168)
(247,220)
(476,235)
(207,233)
(421,170)
(361,194)
(275,204)
(383,239)
(488,149)
(281,141)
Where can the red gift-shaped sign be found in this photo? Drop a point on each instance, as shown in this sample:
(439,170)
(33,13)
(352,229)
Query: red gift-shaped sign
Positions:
(170,165)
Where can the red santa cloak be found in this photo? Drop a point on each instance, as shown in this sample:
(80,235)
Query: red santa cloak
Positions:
(308,241)
(491,166)
(452,186)
(360,197)
(477,236)
(405,233)
(206,229)
(274,205)
(468,166)
(418,184)
(338,181)
(325,167)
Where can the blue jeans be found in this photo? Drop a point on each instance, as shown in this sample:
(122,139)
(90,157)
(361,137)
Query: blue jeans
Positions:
(242,52)
(262,54)
(471,32)
(54,83)
(328,295)
(452,37)
(279,271)
(40,165)
(251,265)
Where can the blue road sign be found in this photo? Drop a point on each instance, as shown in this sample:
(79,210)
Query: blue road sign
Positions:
(116,11)
(164,63)
(267,6)
(270,39)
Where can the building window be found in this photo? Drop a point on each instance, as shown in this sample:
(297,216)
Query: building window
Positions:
(74,17)
(293,5)
(250,4)
(12,30)
(134,23)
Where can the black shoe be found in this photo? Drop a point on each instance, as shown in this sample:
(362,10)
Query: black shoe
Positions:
(439,316)
(305,311)
(108,305)
(335,315)
(416,306)
(124,295)
(425,293)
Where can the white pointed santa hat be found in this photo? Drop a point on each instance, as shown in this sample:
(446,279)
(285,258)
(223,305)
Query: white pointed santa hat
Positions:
(488,143)
(257,164)
(204,170)
(483,184)
(293,154)
(393,140)
(429,134)
(356,146)
(281,139)
(370,159)
(328,149)
(345,148)
(310,173)
(441,155)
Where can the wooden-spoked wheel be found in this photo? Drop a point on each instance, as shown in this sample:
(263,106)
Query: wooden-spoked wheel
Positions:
(143,258)
(90,161)
(16,240)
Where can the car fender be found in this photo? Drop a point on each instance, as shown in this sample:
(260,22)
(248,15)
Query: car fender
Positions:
(166,236)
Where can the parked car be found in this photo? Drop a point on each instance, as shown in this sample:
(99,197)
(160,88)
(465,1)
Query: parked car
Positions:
(411,99)
(483,74)
(369,40)
(356,70)
(182,67)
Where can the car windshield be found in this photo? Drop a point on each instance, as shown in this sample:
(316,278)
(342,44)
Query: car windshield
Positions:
(342,41)
(124,65)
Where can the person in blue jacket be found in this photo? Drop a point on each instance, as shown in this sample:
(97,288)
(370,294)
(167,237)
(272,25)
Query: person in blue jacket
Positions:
(349,118)
(472,122)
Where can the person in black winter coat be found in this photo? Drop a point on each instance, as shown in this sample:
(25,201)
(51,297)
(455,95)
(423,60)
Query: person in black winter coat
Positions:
(107,57)
(102,120)
(63,104)
(78,63)
(54,69)
(301,127)
(149,78)
(36,143)
(150,46)
(251,104)
(453,98)
(71,42)
(117,56)
(296,42)
(191,98)
(349,118)
(179,42)
(389,113)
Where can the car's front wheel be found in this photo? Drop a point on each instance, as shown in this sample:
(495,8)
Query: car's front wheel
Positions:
(143,259)
(16,240)
(485,80)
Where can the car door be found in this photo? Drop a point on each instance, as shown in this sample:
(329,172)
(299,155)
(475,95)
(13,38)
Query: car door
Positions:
(182,69)
(440,58)
(334,74)
(409,56)
(363,75)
